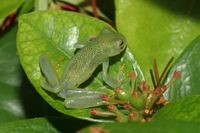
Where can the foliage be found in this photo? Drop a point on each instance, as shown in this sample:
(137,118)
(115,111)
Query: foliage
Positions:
(154,30)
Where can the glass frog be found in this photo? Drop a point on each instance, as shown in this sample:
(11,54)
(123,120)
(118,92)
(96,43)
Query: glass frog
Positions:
(80,68)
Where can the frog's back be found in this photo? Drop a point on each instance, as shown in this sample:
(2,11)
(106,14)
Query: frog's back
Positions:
(108,43)
(83,64)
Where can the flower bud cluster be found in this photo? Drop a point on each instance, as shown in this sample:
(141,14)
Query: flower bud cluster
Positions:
(140,102)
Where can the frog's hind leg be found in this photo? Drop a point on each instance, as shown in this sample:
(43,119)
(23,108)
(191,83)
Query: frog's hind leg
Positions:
(50,82)
(81,98)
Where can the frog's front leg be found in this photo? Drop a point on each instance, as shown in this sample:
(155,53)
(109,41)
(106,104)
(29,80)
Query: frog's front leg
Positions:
(107,78)
(82,44)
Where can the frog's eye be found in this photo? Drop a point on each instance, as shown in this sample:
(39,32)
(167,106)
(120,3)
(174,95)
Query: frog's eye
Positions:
(120,43)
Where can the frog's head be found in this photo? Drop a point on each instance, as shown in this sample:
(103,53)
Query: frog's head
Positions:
(112,42)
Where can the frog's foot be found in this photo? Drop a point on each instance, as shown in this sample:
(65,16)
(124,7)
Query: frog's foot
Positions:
(81,98)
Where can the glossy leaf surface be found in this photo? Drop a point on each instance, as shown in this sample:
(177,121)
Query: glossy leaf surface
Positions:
(10,79)
(188,64)
(157,29)
(185,109)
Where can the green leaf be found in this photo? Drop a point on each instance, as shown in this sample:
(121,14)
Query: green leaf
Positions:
(10,79)
(7,7)
(157,29)
(188,64)
(185,109)
(10,69)
(26,7)
(10,105)
(37,125)
(55,33)
(149,127)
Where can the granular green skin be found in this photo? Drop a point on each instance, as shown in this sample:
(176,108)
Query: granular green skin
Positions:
(96,52)
(186,109)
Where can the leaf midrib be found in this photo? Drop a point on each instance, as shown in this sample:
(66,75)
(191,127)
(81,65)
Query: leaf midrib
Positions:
(47,38)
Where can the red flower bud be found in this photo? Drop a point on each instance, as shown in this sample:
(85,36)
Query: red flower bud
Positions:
(111,107)
(118,90)
(144,86)
(104,97)
(176,74)
(126,106)
(132,75)
(93,111)
(133,115)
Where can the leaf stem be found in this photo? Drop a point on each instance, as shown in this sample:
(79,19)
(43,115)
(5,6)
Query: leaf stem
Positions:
(156,71)
(41,5)
(94,8)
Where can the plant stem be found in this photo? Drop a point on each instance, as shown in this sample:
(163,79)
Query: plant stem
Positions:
(41,5)
(164,71)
